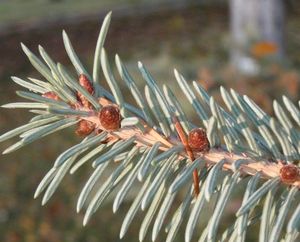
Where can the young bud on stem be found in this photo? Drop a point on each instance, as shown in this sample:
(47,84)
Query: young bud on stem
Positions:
(198,140)
(51,95)
(84,128)
(87,85)
(110,117)
(289,173)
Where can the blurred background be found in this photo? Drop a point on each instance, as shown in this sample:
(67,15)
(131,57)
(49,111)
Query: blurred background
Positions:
(251,46)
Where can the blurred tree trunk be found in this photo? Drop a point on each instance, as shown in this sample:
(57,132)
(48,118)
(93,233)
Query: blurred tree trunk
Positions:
(256,25)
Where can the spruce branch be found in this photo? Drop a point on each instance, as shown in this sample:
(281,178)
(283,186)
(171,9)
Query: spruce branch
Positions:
(154,144)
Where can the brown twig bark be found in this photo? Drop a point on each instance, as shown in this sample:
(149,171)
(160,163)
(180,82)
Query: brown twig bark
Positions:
(150,136)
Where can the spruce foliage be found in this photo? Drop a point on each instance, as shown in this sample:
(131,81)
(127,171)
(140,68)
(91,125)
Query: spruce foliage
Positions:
(151,146)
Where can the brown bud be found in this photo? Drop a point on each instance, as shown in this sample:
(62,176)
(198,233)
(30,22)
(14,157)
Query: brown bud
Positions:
(198,140)
(51,95)
(289,173)
(87,85)
(110,117)
(84,128)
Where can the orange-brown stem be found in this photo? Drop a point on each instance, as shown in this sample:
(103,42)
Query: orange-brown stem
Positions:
(196,182)
(189,152)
